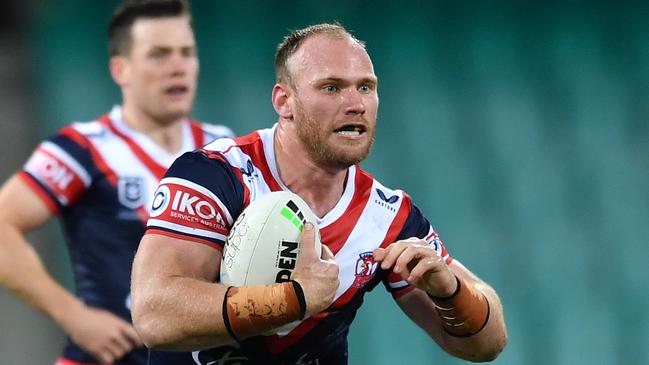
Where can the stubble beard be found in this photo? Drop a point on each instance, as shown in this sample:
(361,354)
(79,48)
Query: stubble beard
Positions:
(314,142)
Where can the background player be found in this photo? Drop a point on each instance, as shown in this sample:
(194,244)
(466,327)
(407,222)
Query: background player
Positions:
(326,98)
(99,177)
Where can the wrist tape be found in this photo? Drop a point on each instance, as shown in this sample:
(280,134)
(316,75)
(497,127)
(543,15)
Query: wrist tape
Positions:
(250,310)
(465,312)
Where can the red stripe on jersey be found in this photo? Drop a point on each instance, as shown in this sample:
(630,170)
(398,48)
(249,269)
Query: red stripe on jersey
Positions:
(183,237)
(64,361)
(248,145)
(197,133)
(156,169)
(395,228)
(398,222)
(335,234)
(81,140)
(28,179)
(277,344)
(109,173)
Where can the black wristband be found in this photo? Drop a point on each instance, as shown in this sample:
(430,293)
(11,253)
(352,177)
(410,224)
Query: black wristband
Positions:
(455,293)
(299,293)
(226,319)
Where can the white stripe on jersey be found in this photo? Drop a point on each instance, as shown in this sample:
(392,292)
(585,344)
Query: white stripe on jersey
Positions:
(191,231)
(117,154)
(202,190)
(69,161)
(398,284)
(369,232)
(158,154)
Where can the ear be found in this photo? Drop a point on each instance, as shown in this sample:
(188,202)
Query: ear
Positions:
(119,70)
(281,94)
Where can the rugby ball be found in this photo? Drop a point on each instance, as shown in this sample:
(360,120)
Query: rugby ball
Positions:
(265,240)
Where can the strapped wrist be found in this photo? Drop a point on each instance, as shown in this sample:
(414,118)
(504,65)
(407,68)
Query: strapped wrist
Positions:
(465,312)
(251,310)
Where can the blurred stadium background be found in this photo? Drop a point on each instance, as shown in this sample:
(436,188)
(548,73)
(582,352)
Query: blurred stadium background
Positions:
(521,128)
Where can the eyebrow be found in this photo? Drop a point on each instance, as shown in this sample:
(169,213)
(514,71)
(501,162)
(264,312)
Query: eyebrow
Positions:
(364,80)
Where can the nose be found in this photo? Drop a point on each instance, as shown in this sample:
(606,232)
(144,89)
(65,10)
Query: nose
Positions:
(354,103)
(179,64)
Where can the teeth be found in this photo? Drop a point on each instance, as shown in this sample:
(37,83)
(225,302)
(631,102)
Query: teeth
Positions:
(355,132)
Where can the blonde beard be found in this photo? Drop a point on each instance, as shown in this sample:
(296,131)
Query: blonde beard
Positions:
(316,146)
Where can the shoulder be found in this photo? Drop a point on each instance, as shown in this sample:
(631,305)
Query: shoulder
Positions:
(215,131)
(381,194)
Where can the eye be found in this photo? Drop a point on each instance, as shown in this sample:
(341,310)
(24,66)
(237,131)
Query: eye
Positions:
(158,54)
(365,89)
(330,89)
(189,52)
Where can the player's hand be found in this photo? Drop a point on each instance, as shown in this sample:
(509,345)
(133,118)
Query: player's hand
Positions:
(103,334)
(419,264)
(318,276)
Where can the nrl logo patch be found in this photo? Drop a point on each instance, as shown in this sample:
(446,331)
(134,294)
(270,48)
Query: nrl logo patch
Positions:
(130,191)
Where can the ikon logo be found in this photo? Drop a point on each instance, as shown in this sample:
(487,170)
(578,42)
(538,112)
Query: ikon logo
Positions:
(185,203)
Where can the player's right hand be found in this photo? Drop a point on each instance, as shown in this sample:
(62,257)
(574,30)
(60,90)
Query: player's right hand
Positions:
(318,276)
(102,334)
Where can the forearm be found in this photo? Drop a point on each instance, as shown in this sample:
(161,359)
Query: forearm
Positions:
(488,341)
(23,273)
(179,313)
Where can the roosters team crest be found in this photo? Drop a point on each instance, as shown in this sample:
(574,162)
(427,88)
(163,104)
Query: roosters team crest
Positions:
(365,269)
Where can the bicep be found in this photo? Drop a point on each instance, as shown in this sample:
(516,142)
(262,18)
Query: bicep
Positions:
(22,207)
(164,256)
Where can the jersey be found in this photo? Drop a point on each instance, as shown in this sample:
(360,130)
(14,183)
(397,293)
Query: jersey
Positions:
(205,191)
(99,177)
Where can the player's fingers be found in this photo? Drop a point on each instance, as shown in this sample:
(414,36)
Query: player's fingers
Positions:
(392,253)
(406,260)
(327,255)
(119,345)
(308,241)
(105,356)
(131,335)
(379,254)
(426,264)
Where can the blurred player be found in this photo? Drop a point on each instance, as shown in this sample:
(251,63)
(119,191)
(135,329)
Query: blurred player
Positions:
(326,98)
(99,177)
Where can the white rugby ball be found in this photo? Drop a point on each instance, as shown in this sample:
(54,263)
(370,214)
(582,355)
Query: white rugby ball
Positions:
(265,241)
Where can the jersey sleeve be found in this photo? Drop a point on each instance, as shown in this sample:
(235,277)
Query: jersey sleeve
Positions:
(197,200)
(416,226)
(59,171)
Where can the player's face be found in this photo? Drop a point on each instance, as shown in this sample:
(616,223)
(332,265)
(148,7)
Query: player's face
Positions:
(335,100)
(163,67)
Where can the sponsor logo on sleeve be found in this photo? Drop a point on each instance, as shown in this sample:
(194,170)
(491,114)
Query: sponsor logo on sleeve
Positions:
(52,172)
(187,207)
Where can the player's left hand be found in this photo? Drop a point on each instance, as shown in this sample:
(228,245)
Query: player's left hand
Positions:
(419,264)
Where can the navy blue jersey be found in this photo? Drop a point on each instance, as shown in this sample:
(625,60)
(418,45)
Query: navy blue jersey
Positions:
(99,177)
(204,192)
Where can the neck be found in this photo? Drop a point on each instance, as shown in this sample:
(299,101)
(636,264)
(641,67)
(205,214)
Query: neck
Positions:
(165,133)
(320,187)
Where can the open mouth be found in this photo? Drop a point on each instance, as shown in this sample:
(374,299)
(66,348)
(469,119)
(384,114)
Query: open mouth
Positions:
(176,90)
(351,130)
